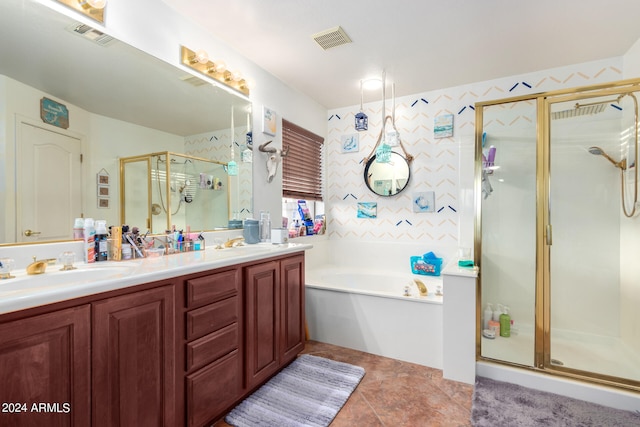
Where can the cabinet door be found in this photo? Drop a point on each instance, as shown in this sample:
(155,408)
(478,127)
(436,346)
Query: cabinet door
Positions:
(133,359)
(292,315)
(45,361)
(262,293)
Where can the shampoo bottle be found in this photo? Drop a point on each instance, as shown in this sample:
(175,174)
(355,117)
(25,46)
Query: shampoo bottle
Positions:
(505,323)
(488,316)
(89,241)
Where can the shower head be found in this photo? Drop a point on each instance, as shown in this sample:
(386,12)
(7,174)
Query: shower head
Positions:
(580,110)
(597,151)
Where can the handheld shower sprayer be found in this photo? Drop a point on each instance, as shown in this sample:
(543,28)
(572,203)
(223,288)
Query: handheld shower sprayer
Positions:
(597,151)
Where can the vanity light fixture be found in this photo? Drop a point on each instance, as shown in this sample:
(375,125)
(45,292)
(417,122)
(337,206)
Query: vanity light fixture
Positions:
(94,9)
(200,62)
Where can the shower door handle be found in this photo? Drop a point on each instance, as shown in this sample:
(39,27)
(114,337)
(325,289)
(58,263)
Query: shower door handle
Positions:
(548,235)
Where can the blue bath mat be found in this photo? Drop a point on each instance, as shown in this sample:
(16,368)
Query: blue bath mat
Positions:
(308,392)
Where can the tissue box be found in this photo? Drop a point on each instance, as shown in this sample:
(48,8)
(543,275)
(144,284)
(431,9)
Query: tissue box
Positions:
(279,235)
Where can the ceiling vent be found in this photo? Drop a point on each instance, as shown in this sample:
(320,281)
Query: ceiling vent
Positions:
(91,34)
(332,37)
(193,80)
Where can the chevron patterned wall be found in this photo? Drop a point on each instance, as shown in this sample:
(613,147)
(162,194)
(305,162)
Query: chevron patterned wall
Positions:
(215,146)
(442,165)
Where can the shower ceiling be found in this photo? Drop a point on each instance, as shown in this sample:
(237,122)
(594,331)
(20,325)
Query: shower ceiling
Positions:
(423,45)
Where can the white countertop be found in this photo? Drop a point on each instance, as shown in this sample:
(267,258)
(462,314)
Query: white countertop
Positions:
(452,269)
(26,291)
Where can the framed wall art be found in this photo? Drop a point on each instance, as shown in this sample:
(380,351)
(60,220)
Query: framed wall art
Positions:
(443,126)
(269,124)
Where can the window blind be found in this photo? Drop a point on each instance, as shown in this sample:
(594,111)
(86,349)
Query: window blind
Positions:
(302,167)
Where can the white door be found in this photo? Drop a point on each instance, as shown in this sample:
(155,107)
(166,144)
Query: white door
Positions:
(48,184)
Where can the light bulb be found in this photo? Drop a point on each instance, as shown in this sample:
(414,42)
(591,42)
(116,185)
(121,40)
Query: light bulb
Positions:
(201,56)
(371,84)
(220,67)
(97,4)
(236,75)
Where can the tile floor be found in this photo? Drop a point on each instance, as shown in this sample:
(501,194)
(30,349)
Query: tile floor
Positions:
(396,393)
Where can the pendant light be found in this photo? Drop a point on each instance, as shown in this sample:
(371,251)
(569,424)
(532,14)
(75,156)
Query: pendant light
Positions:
(232,166)
(383,151)
(247,155)
(362,121)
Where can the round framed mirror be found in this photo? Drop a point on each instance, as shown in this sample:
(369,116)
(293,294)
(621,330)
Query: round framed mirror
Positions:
(389,178)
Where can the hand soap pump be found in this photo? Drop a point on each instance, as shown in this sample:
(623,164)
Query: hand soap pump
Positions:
(505,323)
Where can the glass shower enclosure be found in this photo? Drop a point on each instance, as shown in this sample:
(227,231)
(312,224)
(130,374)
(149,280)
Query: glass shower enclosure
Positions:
(163,190)
(558,232)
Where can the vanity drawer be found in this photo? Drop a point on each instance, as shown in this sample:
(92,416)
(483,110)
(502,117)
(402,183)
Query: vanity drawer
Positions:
(210,347)
(212,317)
(213,388)
(211,288)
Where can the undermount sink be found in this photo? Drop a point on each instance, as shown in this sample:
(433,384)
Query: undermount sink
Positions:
(53,276)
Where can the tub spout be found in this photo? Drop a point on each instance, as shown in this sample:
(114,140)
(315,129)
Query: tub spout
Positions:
(422,288)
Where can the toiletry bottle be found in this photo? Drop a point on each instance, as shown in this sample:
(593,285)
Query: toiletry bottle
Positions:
(265,226)
(101,245)
(497,312)
(505,323)
(78,229)
(89,241)
(488,316)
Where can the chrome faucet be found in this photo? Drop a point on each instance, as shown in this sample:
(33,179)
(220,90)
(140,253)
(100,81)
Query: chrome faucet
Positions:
(39,266)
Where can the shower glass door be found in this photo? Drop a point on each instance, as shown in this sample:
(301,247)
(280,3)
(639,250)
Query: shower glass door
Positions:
(591,297)
(508,224)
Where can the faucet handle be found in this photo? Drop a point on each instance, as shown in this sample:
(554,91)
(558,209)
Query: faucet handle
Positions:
(67,259)
(6,265)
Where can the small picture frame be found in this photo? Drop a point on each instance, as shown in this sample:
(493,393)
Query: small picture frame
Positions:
(103,191)
(269,123)
(367,209)
(103,203)
(103,178)
(443,126)
(424,202)
(350,143)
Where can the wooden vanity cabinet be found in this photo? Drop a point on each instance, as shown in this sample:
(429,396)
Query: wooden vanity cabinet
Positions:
(213,349)
(175,352)
(274,295)
(133,359)
(45,360)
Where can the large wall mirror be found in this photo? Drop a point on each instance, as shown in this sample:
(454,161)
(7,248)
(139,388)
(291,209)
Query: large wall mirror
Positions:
(121,102)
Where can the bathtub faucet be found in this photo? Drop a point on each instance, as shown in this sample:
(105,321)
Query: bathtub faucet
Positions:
(422,288)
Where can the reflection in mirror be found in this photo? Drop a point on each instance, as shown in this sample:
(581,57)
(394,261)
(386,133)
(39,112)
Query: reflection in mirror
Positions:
(121,102)
(194,195)
(388,178)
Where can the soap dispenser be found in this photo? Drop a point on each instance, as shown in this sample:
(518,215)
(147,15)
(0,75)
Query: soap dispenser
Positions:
(505,323)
